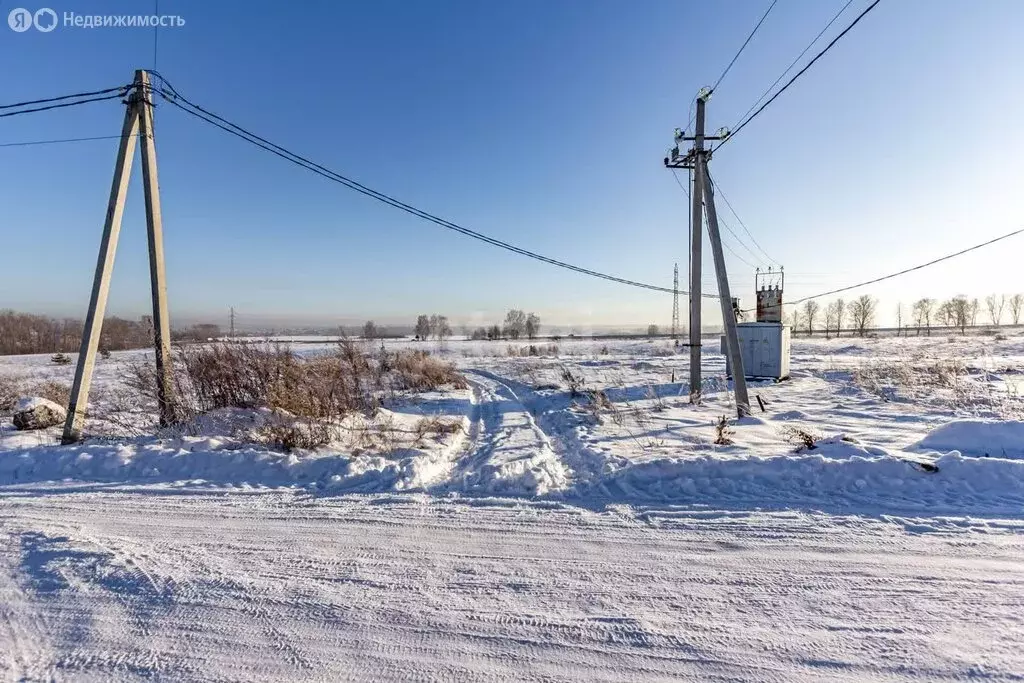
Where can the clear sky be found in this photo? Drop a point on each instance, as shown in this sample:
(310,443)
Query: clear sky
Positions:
(540,122)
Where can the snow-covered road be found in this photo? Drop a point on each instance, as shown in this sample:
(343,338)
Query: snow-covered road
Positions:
(100,582)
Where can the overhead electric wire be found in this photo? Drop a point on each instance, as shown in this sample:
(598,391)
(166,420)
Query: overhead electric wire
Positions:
(120,88)
(800,73)
(176,99)
(793,63)
(743,46)
(718,191)
(741,243)
(54,142)
(906,270)
(57,106)
(724,224)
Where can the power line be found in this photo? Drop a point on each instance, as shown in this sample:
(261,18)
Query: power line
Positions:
(798,74)
(743,46)
(725,225)
(176,99)
(907,270)
(54,142)
(121,88)
(718,190)
(58,106)
(793,63)
(156,29)
(741,242)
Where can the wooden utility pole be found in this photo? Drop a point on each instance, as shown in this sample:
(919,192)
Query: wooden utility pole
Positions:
(139,114)
(155,232)
(701,194)
(732,339)
(697,203)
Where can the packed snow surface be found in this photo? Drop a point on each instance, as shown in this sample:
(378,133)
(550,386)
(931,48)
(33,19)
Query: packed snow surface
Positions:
(867,525)
(981,438)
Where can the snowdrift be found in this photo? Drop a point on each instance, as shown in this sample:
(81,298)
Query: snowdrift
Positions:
(852,481)
(200,461)
(842,475)
(977,438)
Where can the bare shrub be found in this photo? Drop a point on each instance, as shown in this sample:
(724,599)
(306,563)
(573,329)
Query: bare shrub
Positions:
(419,371)
(60,359)
(105,353)
(598,403)
(531,350)
(58,392)
(604,351)
(804,439)
(914,379)
(10,392)
(233,375)
(292,434)
(723,432)
(437,426)
(659,402)
(574,382)
(308,396)
(599,399)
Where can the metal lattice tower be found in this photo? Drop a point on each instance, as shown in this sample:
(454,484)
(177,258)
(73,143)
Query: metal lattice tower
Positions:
(675,303)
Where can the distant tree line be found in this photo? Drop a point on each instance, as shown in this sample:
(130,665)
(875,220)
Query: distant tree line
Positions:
(958,312)
(432,326)
(29,333)
(23,333)
(518,325)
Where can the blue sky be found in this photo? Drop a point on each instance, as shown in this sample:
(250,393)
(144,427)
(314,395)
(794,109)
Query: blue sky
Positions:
(541,123)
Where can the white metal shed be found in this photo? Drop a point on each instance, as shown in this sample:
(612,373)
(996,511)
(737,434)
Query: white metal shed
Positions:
(764,348)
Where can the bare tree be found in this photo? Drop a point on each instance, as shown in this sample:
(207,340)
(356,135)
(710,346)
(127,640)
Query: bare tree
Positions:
(923,309)
(369,330)
(1016,304)
(532,325)
(439,326)
(840,312)
(794,320)
(423,328)
(810,313)
(945,314)
(652,330)
(494,332)
(830,318)
(959,313)
(973,309)
(995,305)
(899,318)
(862,310)
(515,324)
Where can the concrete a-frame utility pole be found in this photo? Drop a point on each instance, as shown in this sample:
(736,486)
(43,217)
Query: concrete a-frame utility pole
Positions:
(138,123)
(702,195)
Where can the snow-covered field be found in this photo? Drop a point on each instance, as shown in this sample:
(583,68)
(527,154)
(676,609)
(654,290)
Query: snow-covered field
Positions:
(604,536)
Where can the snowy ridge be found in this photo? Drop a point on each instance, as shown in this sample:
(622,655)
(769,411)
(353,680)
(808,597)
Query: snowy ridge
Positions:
(829,478)
(979,438)
(889,482)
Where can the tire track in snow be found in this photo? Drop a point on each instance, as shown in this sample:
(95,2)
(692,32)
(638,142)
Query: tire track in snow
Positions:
(550,417)
(511,454)
(471,590)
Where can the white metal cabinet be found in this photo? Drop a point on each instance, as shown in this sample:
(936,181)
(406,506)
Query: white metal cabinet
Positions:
(764,348)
